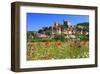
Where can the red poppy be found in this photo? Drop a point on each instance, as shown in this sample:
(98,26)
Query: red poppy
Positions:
(84,42)
(47,44)
(58,44)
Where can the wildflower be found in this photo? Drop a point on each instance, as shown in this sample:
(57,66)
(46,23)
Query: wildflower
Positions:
(58,44)
(84,42)
(47,44)
(47,56)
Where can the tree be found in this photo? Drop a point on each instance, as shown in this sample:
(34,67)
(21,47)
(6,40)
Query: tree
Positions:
(85,26)
(45,28)
(59,37)
(40,31)
(29,36)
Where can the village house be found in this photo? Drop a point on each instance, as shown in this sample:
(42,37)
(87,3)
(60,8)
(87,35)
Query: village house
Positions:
(61,28)
(57,28)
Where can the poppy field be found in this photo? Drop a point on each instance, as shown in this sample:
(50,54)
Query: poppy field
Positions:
(57,50)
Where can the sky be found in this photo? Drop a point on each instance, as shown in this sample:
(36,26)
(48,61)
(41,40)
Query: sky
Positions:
(36,21)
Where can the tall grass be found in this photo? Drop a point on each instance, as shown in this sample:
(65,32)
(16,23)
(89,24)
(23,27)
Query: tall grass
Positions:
(56,50)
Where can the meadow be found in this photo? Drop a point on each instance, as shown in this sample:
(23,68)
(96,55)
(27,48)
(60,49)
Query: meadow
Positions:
(57,50)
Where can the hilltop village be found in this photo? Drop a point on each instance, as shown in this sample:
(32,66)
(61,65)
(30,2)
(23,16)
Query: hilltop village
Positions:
(65,28)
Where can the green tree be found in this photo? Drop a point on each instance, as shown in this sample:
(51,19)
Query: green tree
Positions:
(59,37)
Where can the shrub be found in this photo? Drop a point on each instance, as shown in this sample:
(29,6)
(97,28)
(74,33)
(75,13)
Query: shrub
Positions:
(36,39)
(59,37)
(84,37)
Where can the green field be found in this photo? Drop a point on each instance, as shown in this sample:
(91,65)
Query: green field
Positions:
(57,50)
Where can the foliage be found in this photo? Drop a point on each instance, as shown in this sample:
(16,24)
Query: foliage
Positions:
(29,36)
(84,37)
(83,24)
(36,39)
(56,50)
(59,37)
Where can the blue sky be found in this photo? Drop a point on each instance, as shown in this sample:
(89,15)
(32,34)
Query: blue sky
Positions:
(36,21)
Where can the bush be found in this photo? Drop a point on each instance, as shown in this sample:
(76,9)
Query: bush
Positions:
(84,37)
(36,39)
(59,37)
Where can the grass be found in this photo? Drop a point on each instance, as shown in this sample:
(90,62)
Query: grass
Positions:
(56,50)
